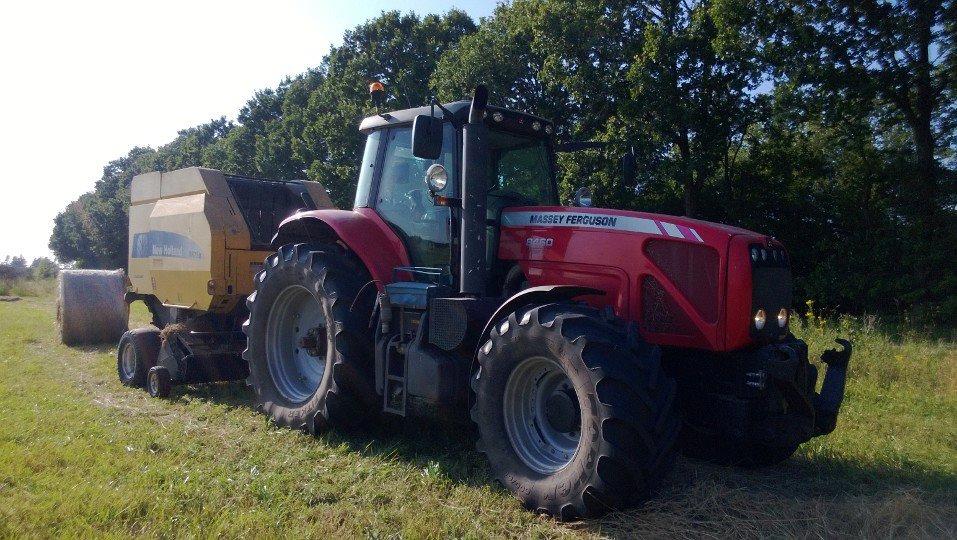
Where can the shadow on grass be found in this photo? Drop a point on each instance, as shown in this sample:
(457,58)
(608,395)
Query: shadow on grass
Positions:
(820,496)
(448,447)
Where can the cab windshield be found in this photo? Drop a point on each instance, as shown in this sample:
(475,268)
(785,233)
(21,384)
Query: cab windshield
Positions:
(521,170)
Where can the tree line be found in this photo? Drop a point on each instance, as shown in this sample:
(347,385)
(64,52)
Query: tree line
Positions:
(829,124)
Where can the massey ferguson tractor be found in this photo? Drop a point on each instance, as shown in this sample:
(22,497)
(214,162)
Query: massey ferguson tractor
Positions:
(586,345)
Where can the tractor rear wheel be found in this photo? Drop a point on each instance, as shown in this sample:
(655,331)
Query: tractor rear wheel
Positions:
(573,410)
(310,360)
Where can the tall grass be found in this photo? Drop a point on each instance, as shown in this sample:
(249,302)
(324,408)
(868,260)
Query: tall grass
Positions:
(27,287)
(887,354)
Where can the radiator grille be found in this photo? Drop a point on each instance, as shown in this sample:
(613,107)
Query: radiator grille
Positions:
(659,312)
(771,291)
(693,269)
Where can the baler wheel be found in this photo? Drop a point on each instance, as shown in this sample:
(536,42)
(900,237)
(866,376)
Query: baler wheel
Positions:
(158,382)
(136,353)
(308,345)
(573,410)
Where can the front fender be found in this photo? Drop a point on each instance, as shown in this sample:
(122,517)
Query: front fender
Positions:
(533,295)
(361,230)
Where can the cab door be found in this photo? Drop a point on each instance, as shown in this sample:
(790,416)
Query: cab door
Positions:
(403,200)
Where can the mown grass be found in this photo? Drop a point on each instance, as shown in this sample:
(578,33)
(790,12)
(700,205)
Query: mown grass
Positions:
(81,455)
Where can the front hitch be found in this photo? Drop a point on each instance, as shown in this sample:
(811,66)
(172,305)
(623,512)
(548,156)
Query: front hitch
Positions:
(828,402)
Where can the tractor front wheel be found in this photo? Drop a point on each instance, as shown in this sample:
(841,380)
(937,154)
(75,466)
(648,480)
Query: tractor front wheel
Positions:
(573,410)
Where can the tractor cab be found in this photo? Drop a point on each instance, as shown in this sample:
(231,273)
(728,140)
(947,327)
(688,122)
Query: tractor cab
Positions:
(412,177)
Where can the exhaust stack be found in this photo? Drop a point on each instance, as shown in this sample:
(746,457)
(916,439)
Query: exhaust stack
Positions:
(475,171)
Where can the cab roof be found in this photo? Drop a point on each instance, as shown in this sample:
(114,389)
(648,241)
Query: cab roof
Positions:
(459,110)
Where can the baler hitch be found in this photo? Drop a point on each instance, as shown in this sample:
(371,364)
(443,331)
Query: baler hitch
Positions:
(828,402)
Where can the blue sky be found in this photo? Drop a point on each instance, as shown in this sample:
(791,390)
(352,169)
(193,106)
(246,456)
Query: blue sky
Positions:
(83,82)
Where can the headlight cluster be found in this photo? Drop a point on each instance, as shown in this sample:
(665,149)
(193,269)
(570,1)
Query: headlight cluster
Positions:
(521,121)
(761,318)
(768,255)
(783,316)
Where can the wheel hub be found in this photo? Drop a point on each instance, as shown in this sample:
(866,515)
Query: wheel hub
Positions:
(561,411)
(296,343)
(128,361)
(542,414)
(314,342)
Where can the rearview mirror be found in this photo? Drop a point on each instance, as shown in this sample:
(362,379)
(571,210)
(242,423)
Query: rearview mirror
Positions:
(582,197)
(426,137)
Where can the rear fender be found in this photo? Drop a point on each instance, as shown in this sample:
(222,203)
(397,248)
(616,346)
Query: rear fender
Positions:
(360,230)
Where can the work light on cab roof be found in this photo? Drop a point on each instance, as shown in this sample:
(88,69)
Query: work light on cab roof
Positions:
(377,93)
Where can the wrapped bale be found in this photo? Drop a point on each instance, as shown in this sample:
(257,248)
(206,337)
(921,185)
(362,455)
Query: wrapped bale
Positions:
(91,307)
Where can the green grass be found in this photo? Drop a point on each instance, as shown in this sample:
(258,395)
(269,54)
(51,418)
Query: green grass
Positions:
(27,287)
(81,455)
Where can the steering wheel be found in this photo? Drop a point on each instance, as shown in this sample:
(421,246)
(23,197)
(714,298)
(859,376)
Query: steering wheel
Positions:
(417,208)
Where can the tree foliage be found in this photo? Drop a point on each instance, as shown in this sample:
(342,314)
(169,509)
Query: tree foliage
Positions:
(827,123)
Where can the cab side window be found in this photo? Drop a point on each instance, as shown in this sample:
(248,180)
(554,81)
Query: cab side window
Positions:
(403,200)
(367,171)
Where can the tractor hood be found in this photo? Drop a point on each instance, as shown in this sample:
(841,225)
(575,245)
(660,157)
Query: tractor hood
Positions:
(611,220)
(670,273)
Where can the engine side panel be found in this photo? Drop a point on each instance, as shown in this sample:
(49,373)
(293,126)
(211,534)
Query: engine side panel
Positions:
(667,273)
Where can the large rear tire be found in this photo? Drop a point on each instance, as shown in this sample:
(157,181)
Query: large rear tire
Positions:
(573,410)
(308,344)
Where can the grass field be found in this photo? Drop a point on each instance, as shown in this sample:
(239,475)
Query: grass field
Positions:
(81,455)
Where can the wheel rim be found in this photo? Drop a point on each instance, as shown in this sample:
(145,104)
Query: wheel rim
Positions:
(128,362)
(154,383)
(542,414)
(296,343)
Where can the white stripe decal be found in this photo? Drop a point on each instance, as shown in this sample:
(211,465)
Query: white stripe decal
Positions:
(580,219)
(671,229)
(596,221)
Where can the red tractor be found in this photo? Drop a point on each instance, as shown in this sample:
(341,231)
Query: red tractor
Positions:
(586,344)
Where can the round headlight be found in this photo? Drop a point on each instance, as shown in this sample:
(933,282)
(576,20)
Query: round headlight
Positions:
(536,125)
(436,177)
(759,319)
(548,129)
(497,116)
(783,317)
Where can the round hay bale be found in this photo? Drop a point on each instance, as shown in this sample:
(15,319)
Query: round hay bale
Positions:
(91,307)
